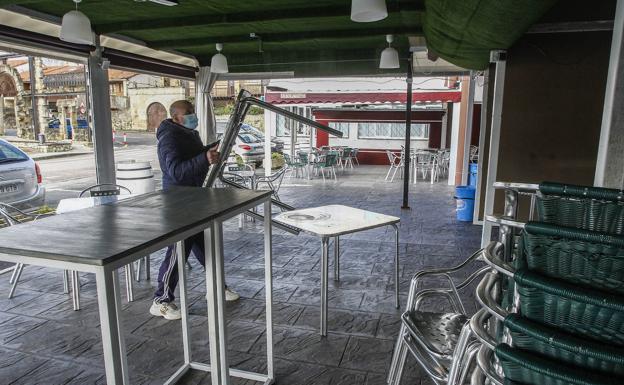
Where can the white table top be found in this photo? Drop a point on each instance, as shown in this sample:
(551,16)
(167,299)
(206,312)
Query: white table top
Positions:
(334,220)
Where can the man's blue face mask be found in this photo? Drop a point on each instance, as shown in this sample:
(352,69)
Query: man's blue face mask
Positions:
(190,121)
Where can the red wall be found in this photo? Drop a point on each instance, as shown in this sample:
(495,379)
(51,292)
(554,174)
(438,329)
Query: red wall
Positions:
(366,156)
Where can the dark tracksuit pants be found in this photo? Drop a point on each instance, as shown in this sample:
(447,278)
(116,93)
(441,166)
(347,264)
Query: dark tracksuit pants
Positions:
(168,273)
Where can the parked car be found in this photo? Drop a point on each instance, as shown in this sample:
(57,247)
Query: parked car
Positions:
(277,144)
(20,178)
(249,147)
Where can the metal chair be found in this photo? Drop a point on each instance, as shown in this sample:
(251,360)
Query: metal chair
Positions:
(326,162)
(441,342)
(295,166)
(396,163)
(346,157)
(104,189)
(13,216)
(111,189)
(354,154)
(274,181)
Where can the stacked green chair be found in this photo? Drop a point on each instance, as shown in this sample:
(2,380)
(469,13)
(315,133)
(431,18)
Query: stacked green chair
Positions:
(559,327)
(295,166)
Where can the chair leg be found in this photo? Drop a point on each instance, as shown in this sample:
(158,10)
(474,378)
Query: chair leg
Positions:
(65,281)
(388,173)
(394,174)
(398,360)
(75,279)
(129,271)
(16,276)
(148,274)
(137,269)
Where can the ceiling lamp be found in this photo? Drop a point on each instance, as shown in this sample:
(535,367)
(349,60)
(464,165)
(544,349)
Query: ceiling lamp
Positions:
(76,27)
(389,56)
(218,64)
(366,11)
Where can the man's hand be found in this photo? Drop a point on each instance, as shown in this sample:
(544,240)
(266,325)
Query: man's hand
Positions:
(212,155)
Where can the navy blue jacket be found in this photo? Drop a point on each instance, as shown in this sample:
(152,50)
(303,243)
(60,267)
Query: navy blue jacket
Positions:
(181,154)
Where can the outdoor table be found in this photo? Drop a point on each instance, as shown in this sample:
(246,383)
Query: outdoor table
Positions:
(331,222)
(114,235)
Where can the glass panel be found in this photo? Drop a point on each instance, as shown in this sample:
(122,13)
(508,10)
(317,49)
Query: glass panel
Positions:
(391,130)
(342,127)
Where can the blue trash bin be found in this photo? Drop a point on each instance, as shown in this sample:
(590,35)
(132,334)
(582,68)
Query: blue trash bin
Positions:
(465,196)
(472,176)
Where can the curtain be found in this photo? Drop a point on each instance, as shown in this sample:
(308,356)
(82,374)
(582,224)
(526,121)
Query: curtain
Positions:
(204,108)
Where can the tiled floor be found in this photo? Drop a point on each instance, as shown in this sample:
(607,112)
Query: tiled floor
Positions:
(43,341)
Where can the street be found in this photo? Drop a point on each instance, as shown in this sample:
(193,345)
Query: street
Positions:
(66,177)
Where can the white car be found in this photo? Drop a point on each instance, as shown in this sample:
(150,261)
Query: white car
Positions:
(20,178)
(249,147)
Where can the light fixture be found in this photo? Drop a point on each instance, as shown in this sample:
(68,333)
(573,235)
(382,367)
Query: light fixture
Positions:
(218,64)
(366,11)
(389,56)
(76,27)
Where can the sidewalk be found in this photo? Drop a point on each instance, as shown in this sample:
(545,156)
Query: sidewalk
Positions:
(77,149)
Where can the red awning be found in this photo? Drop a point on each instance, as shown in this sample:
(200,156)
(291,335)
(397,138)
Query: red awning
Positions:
(361,97)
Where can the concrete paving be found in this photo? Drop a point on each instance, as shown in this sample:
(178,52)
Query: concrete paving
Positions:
(43,341)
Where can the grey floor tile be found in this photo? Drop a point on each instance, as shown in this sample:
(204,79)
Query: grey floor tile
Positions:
(340,321)
(368,354)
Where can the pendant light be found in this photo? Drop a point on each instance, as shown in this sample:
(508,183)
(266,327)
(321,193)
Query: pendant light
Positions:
(218,64)
(389,56)
(76,27)
(366,11)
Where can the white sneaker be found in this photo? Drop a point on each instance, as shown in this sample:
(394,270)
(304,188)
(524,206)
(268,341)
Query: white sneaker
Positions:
(167,310)
(231,295)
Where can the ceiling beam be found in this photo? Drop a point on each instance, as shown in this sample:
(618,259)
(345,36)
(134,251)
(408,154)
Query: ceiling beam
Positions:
(285,37)
(395,7)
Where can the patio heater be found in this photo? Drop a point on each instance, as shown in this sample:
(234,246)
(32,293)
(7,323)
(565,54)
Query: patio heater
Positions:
(245,100)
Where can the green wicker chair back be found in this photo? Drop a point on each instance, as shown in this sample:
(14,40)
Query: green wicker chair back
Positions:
(591,208)
(594,314)
(528,368)
(303,156)
(594,259)
(562,346)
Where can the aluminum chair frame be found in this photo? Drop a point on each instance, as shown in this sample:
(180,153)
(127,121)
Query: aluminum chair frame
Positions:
(271,180)
(394,165)
(444,368)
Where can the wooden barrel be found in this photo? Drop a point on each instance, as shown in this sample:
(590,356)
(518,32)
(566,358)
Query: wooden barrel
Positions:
(136,176)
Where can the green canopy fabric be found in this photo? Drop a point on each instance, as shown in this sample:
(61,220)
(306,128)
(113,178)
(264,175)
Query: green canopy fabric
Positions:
(464,32)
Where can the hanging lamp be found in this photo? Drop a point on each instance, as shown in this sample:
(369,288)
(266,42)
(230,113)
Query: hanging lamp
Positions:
(76,27)
(389,56)
(218,64)
(366,11)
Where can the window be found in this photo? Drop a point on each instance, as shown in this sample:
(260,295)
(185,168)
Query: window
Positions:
(8,153)
(391,130)
(284,125)
(342,127)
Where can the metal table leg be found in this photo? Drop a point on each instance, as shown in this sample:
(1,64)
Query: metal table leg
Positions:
(268,290)
(216,305)
(324,285)
(129,274)
(396,266)
(183,302)
(65,281)
(112,335)
(337,258)
(75,279)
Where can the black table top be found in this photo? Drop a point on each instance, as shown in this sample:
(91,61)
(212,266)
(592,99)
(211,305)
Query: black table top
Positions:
(104,234)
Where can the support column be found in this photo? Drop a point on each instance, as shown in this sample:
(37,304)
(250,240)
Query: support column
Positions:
(408,135)
(497,112)
(444,127)
(468,128)
(34,120)
(99,100)
(610,162)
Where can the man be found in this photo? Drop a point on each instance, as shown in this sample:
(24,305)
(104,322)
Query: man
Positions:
(184,161)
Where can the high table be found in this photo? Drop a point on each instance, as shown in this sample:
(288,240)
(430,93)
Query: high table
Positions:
(331,222)
(113,235)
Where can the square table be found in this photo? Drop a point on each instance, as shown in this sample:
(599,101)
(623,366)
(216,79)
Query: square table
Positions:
(331,222)
(114,235)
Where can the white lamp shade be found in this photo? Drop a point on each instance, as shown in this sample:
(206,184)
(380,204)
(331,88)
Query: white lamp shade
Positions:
(389,58)
(218,64)
(366,11)
(76,28)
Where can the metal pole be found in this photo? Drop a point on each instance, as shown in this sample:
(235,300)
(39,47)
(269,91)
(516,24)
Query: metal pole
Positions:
(99,93)
(33,101)
(408,134)
(497,57)
(468,131)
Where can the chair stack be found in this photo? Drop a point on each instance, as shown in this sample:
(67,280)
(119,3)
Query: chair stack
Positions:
(558,317)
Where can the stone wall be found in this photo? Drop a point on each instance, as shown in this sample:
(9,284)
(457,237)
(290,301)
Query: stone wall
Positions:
(141,98)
